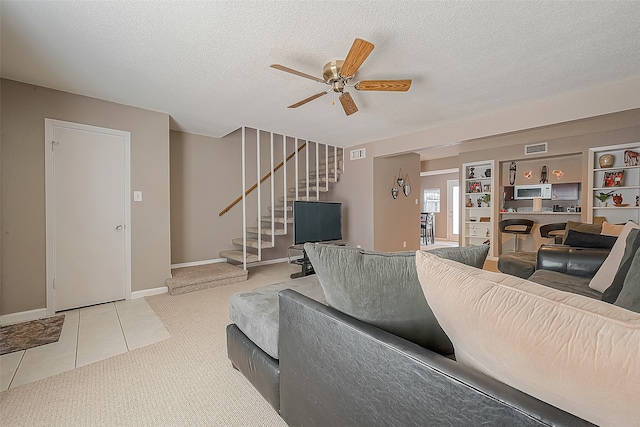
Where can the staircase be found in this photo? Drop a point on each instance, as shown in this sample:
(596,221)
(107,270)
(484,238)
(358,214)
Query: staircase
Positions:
(323,165)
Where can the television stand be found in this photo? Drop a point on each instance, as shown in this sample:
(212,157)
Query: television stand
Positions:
(307,268)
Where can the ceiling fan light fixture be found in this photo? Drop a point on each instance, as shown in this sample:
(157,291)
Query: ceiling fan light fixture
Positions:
(337,74)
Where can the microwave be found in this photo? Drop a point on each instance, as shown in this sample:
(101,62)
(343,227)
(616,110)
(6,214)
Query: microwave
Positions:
(524,192)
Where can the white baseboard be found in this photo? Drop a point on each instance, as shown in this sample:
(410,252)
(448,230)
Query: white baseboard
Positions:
(148,292)
(23,316)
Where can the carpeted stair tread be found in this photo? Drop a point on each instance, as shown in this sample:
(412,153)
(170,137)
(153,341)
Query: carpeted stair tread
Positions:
(190,279)
(237,256)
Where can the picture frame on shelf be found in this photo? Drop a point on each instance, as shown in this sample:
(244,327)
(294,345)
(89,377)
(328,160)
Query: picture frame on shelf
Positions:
(475,187)
(631,158)
(486,188)
(613,179)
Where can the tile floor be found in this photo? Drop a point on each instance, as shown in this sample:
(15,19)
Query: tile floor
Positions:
(88,335)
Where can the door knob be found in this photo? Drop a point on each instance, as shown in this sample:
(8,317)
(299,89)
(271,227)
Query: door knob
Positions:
(118,227)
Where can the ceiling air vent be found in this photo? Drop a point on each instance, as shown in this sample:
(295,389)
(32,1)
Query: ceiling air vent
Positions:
(535,148)
(358,154)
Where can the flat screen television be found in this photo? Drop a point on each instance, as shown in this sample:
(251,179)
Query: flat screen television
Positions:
(316,221)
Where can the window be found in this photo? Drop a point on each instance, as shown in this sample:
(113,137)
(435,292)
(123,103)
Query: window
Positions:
(432,200)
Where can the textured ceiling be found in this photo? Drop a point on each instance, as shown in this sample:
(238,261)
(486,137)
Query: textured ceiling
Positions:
(206,64)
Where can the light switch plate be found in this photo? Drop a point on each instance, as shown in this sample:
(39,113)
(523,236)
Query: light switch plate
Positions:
(137,196)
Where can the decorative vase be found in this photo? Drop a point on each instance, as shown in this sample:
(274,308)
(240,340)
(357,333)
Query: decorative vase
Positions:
(606,160)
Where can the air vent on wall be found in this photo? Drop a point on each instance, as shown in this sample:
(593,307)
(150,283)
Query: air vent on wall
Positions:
(358,154)
(535,148)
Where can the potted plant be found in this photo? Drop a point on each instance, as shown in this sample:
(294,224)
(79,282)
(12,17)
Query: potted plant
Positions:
(486,199)
(603,197)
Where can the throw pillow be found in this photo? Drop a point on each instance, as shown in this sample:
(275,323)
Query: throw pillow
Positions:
(582,227)
(629,297)
(632,244)
(607,271)
(381,289)
(569,350)
(588,240)
(611,229)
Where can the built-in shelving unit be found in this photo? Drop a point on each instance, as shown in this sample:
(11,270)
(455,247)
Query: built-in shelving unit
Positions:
(602,179)
(477,218)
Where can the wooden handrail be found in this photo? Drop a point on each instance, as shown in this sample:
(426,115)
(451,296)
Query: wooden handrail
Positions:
(263,179)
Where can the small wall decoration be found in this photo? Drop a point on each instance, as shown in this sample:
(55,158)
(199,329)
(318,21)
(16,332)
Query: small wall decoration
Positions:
(527,174)
(512,173)
(613,179)
(543,175)
(400,178)
(558,173)
(406,188)
(630,158)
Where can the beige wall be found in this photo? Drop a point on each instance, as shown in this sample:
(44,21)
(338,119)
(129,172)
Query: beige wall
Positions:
(571,138)
(396,221)
(24,108)
(355,191)
(206,176)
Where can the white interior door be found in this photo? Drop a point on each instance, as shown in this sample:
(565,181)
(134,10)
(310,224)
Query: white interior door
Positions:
(87,215)
(453,210)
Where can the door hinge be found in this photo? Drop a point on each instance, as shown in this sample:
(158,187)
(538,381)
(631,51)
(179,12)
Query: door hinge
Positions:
(54,283)
(53,143)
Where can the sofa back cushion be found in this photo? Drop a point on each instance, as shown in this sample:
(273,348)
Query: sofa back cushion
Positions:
(607,272)
(576,353)
(382,289)
(582,227)
(632,243)
(629,296)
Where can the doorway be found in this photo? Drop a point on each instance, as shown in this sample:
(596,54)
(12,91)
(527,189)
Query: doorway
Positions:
(88,244)
(453,210)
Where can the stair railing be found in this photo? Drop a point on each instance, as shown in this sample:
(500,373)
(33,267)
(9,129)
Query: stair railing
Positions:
(271,173)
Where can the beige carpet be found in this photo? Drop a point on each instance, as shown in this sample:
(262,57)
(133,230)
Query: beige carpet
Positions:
(186,380)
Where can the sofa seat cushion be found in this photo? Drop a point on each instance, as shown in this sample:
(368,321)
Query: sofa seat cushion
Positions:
(519,264)
(576,353)
(256,312)
(565,282)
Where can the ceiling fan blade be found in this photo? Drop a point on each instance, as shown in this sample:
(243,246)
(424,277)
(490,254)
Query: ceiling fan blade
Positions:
(297,73)
(387,85)
(359,51)
(309,99)
(348,103)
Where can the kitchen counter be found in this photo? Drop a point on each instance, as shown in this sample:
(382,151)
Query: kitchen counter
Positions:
(541,213)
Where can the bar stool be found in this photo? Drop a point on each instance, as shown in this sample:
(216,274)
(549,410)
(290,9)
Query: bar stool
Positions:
(519,264)
(516,226)
(554,230)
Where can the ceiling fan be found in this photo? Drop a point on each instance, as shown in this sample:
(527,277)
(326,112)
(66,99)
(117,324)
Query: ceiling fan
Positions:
(338,75)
